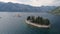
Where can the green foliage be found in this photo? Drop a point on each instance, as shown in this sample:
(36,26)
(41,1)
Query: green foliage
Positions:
(56,10)
(33,18)
(46,22)
(38,20)
(28,18)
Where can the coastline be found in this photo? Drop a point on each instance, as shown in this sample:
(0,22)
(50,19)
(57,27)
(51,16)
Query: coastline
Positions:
(37,25)
(55,13)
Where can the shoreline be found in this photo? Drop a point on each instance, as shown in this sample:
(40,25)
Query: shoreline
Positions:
(37,25)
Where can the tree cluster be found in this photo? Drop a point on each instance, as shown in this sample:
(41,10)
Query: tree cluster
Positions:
(38,20)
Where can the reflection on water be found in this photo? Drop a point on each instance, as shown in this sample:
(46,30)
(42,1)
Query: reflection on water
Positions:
(10,24)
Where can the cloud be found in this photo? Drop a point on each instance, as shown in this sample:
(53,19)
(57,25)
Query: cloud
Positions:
(7,0)
(24,0)
(14,1)
(37,2)
(34,2)
(56,0)
(56,3)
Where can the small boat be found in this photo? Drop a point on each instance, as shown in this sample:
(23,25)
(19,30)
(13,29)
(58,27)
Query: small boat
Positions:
(18,15)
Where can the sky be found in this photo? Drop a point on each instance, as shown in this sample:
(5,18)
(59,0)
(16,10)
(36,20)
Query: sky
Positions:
(35,2)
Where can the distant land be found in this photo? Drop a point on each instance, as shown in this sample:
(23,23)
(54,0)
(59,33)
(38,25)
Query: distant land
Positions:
(16,7)
(56,11)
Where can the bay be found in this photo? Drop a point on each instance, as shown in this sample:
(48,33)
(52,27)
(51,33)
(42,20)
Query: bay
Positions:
(11,24)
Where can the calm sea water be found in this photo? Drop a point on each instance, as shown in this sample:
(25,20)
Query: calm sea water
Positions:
(11,24)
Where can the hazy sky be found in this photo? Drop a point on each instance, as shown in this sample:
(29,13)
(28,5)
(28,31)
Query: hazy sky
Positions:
(34,2)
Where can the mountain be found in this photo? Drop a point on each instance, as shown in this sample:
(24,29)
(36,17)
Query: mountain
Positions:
(16,7)
(56,11)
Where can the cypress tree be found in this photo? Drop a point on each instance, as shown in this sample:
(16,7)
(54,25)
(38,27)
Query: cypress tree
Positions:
(33,19)
(47,22)
(28,18)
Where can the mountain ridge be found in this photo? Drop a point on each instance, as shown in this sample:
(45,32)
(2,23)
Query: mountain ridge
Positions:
(16,7)
(56,11)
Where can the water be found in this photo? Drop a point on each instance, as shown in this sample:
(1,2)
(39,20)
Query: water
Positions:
(10,24)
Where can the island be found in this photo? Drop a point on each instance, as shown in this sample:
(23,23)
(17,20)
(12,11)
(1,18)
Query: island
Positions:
(38,21)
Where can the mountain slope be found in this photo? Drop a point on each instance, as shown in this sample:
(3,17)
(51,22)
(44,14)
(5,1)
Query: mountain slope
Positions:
(15,7)
(56,11)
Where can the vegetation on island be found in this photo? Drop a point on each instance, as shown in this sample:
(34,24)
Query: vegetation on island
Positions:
(38,20)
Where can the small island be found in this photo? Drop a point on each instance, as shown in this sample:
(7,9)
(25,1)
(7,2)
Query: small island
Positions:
(38,21)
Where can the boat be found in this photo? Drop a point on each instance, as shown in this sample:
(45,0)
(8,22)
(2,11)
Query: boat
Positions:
(18,15)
